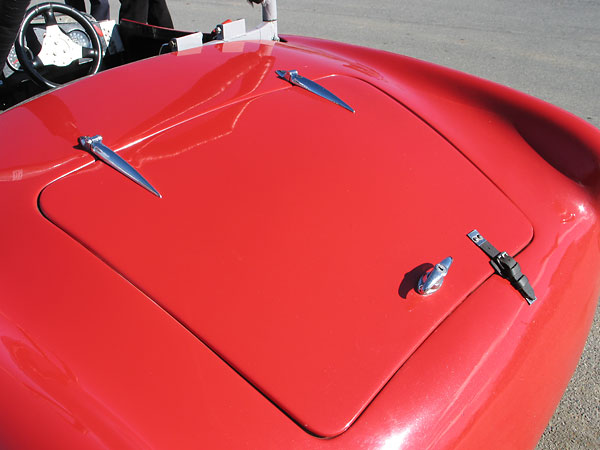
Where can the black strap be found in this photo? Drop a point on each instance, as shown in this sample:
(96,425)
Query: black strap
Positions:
(505,266)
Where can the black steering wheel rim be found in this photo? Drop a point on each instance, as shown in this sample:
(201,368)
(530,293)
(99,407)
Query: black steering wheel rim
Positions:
(47,11)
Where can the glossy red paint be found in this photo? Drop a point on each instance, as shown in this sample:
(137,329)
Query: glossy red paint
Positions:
(288,256)
(94,361)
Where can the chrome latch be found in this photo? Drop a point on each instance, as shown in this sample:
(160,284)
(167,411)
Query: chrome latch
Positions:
(96,147)
(432,280)
(297,80)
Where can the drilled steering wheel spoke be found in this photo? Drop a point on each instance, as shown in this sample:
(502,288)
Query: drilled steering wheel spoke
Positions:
(49,17)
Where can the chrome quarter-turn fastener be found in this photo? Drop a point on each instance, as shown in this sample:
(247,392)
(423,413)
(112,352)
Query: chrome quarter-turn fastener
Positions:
(432,280)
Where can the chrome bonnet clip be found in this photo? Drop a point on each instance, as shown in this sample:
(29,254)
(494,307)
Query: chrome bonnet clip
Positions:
(96,147)
(295,79)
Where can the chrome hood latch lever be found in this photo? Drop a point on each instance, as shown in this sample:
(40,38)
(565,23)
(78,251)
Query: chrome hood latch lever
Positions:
(96,147)
(297,80)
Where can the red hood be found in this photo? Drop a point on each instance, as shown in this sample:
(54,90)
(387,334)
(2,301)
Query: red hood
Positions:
(291,233)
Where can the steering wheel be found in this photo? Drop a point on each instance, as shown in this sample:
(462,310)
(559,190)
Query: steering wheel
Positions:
(57,47)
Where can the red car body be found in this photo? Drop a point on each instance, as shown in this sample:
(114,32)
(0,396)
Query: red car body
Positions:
(267,300)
